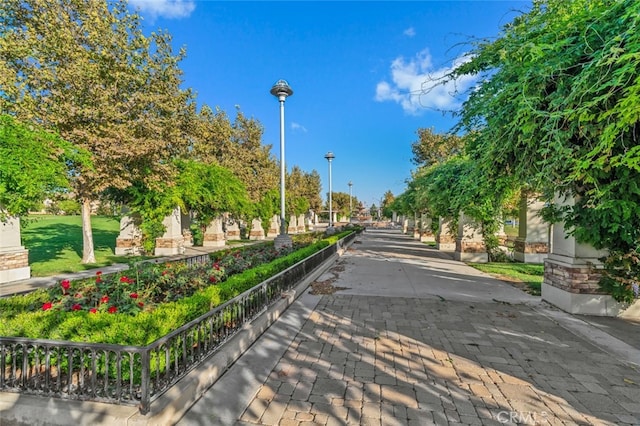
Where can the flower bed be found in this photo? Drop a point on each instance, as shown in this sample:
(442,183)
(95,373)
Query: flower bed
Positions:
(137,375)
(144,303)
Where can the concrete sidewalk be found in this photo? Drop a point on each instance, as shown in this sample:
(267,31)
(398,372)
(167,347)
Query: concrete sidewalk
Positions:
(411,337)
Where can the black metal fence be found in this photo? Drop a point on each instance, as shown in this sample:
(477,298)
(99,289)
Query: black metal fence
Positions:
(137,375)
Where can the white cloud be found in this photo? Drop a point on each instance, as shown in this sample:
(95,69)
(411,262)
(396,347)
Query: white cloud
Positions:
(409,32)
(297,126)
(416,84)
(164,8)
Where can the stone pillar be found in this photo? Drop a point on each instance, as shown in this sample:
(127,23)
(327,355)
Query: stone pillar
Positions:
(532,244)
(172,241)
(256,233)
(417,227)
(14,258)
(426,233)
(470,246)
(301,225)
(571,276)
(274,226)
(411,226)
(214,234)
(233,231)
(185,223)
(445,241)
(293,225)
(405,226)
(129,241)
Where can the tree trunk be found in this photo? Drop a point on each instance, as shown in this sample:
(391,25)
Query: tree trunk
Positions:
(88,256)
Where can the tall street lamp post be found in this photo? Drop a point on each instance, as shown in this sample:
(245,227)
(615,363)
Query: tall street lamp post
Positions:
(281,90)
(350,204)
(329,156)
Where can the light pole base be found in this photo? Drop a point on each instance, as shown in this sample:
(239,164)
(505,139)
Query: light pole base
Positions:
(282,241)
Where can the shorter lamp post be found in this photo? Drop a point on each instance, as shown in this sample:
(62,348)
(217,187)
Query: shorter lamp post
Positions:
(350,204)
(329,156)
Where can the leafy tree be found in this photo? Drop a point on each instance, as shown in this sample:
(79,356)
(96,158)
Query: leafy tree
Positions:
(340,202)
(302,191)
(34,164)
(206,190)
(557,109)
(85,70)
(209,190)
(69,206)
(237,147)
(387,201)
(404,203)
(433,148)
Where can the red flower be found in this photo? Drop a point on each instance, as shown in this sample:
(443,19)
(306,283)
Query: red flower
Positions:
(99,273)
(46,306)
(65,284)
(133,295)
(140,304)
(212,279)
(124,279)
(113,309)
(93,310)
(76,307)
(98,279)
(104,299)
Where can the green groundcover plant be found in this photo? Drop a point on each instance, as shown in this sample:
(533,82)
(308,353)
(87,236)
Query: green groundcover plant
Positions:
(149,300)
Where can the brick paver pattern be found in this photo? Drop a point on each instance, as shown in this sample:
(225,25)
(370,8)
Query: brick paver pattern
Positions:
(363,360)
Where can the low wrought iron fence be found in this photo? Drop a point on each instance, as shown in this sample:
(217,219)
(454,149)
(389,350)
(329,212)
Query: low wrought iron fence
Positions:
(138,375)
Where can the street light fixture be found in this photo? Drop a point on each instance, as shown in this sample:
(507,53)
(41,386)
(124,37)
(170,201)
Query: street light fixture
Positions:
(281,90)
(329,156)
(350,204)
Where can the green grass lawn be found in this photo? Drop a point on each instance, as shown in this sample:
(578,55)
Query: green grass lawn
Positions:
(528,276)
(55,243)
(510,230)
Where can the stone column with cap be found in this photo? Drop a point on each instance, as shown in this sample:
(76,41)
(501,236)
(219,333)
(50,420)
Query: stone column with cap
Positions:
(14,258)
(571,274)
(172,241)
(470,246)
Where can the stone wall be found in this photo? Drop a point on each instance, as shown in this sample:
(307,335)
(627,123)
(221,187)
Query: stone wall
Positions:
(579,279)
(14,260)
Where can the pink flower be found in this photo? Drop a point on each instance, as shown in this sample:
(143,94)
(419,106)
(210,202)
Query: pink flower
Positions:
(113,309)
(133,295)
(104,299)
(46,306)
(76,307)
(93,311)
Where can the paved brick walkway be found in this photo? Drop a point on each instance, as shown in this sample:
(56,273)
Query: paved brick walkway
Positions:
(415,338)
(395,361)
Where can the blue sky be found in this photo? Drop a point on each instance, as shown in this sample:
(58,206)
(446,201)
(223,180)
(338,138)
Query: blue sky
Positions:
(356,68)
